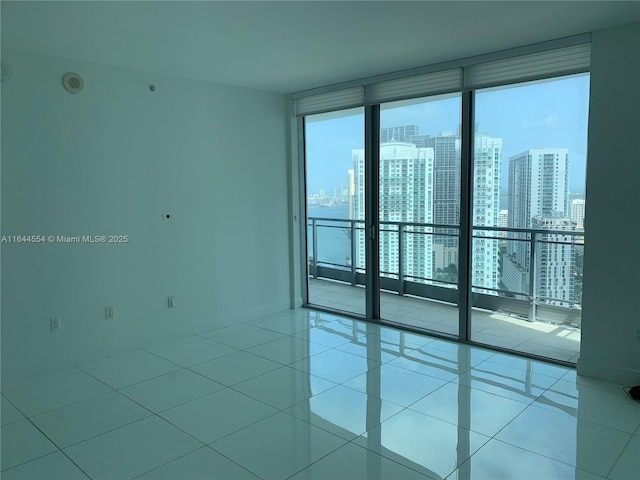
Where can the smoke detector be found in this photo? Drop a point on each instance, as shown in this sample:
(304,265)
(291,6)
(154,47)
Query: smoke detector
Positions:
(72,82)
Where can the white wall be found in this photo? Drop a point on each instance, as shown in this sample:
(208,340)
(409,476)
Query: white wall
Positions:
(111,160)
(611,296)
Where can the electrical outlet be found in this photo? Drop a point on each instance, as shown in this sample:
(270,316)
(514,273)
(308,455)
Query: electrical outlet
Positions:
(108,313)
(56,324)
(171,301)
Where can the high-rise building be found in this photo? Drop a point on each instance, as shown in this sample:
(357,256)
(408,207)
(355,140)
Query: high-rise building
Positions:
(405,196)
(484,213)
(577,213)
(503,222)
(554,260)
(446,183)
(446,199)
(401,133)
(351,192)
(538,189)
(420,182)
(503,218)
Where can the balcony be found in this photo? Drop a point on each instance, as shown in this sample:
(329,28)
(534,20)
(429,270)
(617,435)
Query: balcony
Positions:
(528,321)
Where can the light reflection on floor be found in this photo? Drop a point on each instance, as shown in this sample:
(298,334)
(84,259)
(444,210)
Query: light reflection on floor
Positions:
(309,395)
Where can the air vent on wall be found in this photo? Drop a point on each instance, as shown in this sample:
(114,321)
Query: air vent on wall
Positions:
(73,82)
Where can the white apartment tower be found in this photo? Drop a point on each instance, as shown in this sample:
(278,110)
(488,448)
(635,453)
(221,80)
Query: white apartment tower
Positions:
(538,198)
(577,213)
(486,205)
(554,260)
(351,193)
(406,195)
(420,182)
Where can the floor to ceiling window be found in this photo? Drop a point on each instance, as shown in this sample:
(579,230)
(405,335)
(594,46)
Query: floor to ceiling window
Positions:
(335,209)
(529,177)
(456,197)
(419,203)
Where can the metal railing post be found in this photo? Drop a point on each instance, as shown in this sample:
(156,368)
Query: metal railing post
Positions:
(354,278)
(532,277)
(401,230)
(315,248)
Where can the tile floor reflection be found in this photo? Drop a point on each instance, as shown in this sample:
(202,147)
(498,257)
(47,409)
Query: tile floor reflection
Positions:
(546,339)
(309,395)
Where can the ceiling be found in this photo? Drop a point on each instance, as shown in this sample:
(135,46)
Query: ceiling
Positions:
(293,45)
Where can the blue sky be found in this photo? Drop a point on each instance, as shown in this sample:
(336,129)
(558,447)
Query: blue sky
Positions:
(552,114)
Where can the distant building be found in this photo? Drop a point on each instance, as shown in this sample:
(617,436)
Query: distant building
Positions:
(351,192)
(554,260)
(538,198)
(577,213)
(503,222)
(486,204)
(440,184)
(398,134)
(446,184)
(444,256)
(404,197)
(503,218)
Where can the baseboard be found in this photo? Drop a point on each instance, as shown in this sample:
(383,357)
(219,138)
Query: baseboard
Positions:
(296,303)
(608,373)
(25,374)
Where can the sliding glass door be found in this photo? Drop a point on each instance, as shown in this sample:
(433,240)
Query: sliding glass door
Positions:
(419,210)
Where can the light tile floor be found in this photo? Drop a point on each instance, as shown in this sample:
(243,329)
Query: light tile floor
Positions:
(308,395)
(557,341)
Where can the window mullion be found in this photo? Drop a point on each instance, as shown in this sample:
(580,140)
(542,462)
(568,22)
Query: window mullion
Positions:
(372,208)
(466,222)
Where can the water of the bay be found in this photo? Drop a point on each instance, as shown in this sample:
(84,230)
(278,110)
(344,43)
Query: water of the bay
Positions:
(334,244)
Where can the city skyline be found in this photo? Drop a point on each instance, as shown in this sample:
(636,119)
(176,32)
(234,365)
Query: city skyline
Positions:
(526,169)
(550,114)
(411,192)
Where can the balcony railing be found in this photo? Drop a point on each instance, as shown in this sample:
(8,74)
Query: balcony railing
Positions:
(401,275)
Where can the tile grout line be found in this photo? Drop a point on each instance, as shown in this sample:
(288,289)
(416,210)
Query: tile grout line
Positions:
(615,463)
(51,453)
(68,404)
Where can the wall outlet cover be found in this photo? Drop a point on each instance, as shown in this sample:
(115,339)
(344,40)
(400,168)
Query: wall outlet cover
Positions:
(56,324)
